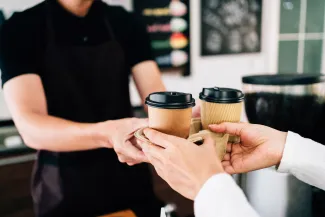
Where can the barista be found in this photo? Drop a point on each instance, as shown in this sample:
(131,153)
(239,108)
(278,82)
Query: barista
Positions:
(65,72)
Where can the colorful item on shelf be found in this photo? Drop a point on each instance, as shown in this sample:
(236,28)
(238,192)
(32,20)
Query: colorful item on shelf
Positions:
(168,24)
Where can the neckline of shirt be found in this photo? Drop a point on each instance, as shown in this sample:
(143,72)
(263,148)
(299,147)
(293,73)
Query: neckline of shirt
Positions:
(63,13)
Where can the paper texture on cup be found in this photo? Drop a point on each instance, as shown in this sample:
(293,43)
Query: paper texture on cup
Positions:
(171,121)
(217,113)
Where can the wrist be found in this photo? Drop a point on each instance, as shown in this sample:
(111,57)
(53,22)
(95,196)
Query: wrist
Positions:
(214,170)
(281,144)
(101,134)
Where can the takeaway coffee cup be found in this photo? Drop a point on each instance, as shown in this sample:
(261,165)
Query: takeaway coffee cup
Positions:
(220,105)
(170,112)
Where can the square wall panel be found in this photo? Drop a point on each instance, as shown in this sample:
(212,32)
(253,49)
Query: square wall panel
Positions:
(313,56)
(288,55)
(290,16)
(315,16)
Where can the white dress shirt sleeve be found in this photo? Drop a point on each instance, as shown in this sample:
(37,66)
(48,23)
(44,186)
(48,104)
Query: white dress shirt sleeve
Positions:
(305,159)
(220,196)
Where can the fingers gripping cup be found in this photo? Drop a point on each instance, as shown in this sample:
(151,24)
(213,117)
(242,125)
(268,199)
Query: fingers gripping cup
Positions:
(220,105)
(170,112)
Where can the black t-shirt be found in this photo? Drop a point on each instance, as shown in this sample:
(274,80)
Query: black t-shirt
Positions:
(23,38)
(23,45)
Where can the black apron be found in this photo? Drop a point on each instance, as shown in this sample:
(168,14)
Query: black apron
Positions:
(88,183)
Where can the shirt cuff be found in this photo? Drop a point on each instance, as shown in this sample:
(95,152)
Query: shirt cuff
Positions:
(218,185)
(292,146)
(222,179)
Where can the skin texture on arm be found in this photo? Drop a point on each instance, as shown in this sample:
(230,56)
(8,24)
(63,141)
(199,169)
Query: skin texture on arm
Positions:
(147,79)
(27,103)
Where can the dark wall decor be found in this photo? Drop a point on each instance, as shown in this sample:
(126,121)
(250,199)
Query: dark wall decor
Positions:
(168,23)
(230,26)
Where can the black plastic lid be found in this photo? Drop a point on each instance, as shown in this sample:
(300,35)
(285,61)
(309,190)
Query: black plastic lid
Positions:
(222,95)
(286,79)
(170,100)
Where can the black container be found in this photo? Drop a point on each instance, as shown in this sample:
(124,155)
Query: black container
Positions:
(288,103)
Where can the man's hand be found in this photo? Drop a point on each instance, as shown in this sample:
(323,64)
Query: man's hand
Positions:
(182,164)
(122,140)
(260,147)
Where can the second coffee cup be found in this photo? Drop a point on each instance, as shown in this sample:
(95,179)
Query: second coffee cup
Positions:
(170,112)
(220,105)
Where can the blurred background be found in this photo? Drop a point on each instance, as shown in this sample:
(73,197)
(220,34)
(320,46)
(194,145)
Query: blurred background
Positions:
(223,40)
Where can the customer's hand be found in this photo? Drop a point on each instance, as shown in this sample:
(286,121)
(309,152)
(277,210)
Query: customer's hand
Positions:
(260,147)
(182,164)
(122,139)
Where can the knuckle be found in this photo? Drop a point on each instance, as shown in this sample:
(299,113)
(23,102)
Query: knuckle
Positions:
(121,159)
(159,172)
(152,135)
(137,158)
(239,131)
(118,149)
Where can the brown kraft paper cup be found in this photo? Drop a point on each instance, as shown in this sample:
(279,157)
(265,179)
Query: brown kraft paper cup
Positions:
(170,112)
(220,105)
(217,113)
(174,122)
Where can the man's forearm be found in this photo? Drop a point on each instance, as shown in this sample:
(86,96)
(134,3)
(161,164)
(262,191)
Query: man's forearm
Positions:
(147,79)
(50,133)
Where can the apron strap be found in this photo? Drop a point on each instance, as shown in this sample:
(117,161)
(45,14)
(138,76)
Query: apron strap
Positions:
(107,23)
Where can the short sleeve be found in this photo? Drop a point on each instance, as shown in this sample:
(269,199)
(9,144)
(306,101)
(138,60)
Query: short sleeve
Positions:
(138,41)
(19,48)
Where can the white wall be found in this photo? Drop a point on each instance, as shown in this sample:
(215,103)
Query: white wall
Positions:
(226,70)
(223,71)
